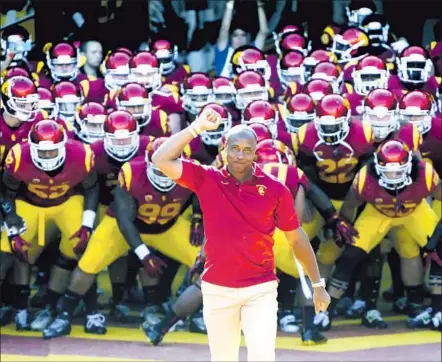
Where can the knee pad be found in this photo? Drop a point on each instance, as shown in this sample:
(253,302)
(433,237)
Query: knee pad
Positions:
(65,263)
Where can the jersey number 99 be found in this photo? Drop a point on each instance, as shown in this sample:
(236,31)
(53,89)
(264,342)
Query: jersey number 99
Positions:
(154,213)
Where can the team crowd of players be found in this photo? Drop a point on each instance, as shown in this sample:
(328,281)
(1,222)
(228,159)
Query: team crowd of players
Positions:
(353,129)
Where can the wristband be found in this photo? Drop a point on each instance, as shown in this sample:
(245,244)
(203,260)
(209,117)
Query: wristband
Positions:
(6,207)
(142,251)
(320,284)
(89,218)
(194,130)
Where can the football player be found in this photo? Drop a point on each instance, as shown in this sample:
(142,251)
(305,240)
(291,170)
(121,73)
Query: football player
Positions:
(369,73)
(250,86)
(394,187)
(48,169)
(148,208)
(331,150)
(224,93)
(133,98)
(146,69)
(414,72)
(167,53)
(18,113)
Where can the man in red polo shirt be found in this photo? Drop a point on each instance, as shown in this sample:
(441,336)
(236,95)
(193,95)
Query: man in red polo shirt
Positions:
(241,207)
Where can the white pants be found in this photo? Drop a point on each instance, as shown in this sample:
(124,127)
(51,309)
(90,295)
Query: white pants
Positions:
(252,309)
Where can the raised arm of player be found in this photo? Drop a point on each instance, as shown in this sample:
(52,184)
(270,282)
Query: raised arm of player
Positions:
(166,157)
(126,213)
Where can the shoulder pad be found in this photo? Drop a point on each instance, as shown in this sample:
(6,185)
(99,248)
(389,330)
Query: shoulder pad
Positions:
(89,158)
(432,179)
(84,84)
(359,181)
(13,159)
(125,176)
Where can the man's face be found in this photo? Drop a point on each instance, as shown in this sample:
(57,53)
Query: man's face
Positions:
(238,38)
(241,149)
(94,54)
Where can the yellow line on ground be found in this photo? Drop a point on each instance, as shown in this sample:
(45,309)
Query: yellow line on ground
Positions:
(294,343)
(60,357)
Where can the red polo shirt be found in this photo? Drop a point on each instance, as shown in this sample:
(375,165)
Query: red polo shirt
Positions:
(239,222)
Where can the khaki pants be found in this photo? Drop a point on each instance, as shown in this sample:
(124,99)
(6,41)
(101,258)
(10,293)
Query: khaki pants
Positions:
(252,309)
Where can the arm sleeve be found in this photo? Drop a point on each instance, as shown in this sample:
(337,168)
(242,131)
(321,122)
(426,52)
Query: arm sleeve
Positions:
(285,214)
(193,175)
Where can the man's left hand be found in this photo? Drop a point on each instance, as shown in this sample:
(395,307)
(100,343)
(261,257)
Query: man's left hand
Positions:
(84,235)
(321,299)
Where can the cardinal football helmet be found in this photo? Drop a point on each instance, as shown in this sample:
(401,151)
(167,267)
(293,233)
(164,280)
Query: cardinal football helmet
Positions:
(157,178)
(300,110)
(68,96)
(133,98)
(393,165)
(332,119)
(357,11)
(314,57)
(263,112)
(418,108)
(145,69)
(250,58)
(290,68)
(197,91)
(46,101)
(90,118)
(329,72)
(121,138)
(223,91)
(20,98)
(353,44)
(414,65)
(370,73)
(47,140)
(317,89)
(63,61)
(380,110)
(116,70)
(166,53)
(250,86)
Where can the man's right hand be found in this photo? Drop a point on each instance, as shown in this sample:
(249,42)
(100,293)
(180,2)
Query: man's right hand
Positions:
(15,224)
(208,120)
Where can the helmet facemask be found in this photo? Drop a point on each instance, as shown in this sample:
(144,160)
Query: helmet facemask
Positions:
(166,58)
(196,98)
(383,121)
(394,176)
(294,120)
(420,118)
(414,69)
(66,107)
(122,145)
(91,128)
(149,77)
(157,178)
(139,107)
(48,156)
(369,78)
(64,67)
(249,94)
(213,137)
(332,130)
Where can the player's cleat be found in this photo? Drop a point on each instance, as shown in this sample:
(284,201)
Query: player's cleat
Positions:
(196,323)
(153,332)
(373,319)
(121,313)
(61,326)
(343,305)
(356,310)
(6,315)
(43,319)
(400,305)
(152,314)
(311,337)
(421,320)
(322,321)
(437,322)
(22,320)
(287,322)
(95,323)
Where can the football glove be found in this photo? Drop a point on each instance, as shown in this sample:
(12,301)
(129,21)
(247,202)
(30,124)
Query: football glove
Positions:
(19,246)
(343,231)
(196,230)
(83,235)
(153,265)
